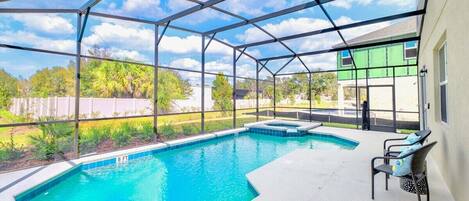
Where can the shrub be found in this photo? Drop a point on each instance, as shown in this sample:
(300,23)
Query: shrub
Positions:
(129,128)
(92,137)
(54,138)
(123,135)
(189,129)
(9,150)
(168,130)
(146,133)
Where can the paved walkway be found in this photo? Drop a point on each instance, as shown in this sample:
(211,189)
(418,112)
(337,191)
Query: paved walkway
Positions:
(331,175)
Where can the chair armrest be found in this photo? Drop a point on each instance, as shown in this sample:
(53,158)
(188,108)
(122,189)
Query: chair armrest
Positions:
(389,140)
(398,145)
(390,152)
(383,158)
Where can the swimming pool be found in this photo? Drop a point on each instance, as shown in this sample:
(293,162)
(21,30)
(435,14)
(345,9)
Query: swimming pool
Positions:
(210,170)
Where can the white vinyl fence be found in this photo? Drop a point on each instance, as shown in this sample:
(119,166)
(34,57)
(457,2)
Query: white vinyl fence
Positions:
(64,107)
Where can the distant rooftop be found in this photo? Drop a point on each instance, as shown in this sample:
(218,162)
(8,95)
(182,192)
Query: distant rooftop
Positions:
(396,30)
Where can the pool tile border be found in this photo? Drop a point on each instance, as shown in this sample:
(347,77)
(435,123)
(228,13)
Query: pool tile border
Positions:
(49,183)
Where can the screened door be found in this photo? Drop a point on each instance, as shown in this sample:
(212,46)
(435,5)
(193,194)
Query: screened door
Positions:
(382,108)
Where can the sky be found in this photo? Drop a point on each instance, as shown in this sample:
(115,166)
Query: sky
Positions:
(128,40)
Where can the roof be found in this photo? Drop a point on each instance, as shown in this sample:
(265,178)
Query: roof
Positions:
(396,30)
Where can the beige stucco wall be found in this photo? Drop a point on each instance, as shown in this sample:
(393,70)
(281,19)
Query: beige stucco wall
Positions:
(448,20)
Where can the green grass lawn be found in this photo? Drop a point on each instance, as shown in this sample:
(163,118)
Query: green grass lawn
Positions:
(215,121)
(339,125)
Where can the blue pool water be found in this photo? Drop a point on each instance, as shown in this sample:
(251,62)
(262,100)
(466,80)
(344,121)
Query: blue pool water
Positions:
(211,170)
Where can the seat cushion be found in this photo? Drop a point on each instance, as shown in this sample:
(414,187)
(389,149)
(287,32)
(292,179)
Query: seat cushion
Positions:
(402,167)
(412,138)
(384,168)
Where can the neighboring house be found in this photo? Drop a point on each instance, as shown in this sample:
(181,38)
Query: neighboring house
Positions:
(380,80)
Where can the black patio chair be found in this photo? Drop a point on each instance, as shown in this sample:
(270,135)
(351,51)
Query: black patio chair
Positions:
(423,134)
(418,169)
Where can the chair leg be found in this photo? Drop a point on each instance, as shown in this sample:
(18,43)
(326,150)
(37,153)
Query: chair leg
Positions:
(428,187)
(386,180)
(372,184)
(415,185)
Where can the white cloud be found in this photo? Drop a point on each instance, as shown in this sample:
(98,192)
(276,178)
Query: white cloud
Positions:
(311,43)
(135,5)
(128,54)
(321,61)
(32,40)
(142,8)
(180,45)
(243,70)
(138,38)
(347,4)
(257,7)
(341,4)
(48,23)
(186,63)
(151,9)
(284,28)
(400,3)
(120,36)
(358,31)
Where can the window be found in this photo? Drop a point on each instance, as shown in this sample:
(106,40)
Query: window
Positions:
(346,58)
(410,50)
(443,66)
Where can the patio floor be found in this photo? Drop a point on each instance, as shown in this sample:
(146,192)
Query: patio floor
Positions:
(331,175)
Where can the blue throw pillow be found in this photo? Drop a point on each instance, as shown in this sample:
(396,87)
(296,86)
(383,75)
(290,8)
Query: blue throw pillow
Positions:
(412,138)
(402,166)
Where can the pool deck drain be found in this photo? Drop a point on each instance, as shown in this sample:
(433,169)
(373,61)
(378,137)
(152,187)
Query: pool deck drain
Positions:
(335,175)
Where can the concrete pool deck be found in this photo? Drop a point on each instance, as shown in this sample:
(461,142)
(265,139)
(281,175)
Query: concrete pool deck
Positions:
(332,175)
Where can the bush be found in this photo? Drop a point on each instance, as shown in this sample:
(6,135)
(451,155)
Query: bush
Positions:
(146,133)
(123,135)
(129,128)
(54,139)
(92,137)
(167,130)
(9,150)
(189,129)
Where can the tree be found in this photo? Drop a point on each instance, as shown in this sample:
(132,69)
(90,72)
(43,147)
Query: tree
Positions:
(115,79)
(171,86)
(8,89)
(295,86)
(222,93)
(55,81)
(324,84)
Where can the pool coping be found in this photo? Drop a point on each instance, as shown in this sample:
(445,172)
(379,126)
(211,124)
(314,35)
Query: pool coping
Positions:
(34,178)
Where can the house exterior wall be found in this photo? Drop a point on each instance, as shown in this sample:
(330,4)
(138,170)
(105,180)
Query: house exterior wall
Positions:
(406,86)
(448,21)
(381,56)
